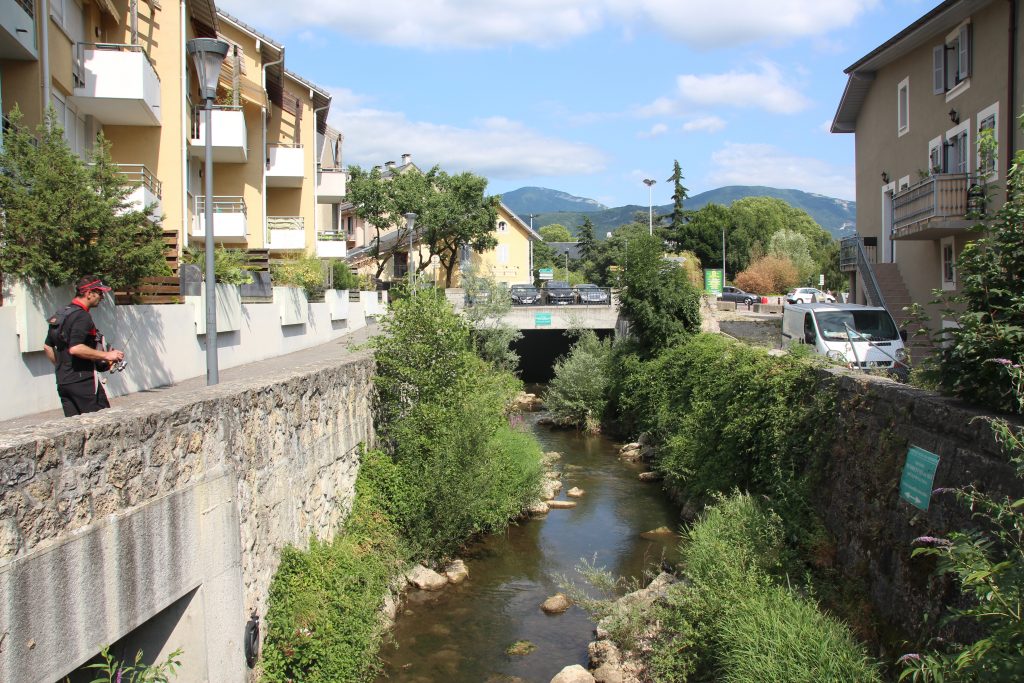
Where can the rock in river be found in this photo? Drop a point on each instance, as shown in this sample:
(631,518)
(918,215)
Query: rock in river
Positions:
(650,476)
(573,674)
(456,572)
(561,504)
(660,532)
(426,579)
(556,604)
(575,492)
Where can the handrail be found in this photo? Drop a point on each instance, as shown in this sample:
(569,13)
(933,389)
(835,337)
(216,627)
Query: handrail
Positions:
(221,204)
(138,173)
(331,236)
(286,223)
(118,47)
(868,279)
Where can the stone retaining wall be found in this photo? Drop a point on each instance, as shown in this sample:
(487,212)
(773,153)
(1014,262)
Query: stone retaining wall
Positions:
(74,494)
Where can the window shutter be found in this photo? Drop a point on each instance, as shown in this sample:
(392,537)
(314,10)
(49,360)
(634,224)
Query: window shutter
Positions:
(964,53)
(939,70)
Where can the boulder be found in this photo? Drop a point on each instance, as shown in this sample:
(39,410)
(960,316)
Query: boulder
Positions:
(561,504)
(553,474)
(537,509)
(631,451)
(426,579)
(573,674)
(456,571)
(525,402)
(552,455)
(607,673)
(660,532)
(550,488)
(650,476)
(556,604)
(575,492)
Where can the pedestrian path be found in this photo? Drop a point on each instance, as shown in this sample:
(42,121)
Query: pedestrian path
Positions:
(351,345)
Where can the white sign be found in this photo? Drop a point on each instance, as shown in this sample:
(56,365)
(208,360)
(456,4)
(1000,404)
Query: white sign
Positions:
(821,280)
(546,273)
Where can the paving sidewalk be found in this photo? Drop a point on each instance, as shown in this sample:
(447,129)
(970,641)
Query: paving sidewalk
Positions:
(346,346)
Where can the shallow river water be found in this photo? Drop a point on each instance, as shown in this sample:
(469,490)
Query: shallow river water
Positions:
(461,633)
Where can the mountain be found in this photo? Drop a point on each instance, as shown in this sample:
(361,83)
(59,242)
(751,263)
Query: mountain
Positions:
(838,216)
(527,200)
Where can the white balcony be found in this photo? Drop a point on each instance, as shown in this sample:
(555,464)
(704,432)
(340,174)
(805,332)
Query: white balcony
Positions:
(117,84)
(331,245)
(330,185)
(148,190)
(229,219)
(287,233)
(230,142)
(286,165)
(18,30)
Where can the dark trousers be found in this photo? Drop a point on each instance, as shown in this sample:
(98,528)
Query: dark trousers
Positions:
(82,397)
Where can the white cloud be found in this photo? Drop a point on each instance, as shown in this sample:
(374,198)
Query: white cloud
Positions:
(705,124)
(495,147)
(656,130)
(476,24)
(758,164)
(764,89)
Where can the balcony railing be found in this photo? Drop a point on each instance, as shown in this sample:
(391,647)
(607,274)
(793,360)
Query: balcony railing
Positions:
(230,218)
(230,139)
(18,31)
(330,185)
(221,205)
(286,223)
(286,232)
(143,177)
(331,245)
(28,6)
(936,204)
(117,83)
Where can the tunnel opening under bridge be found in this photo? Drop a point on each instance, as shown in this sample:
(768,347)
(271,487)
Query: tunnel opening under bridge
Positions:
(539,349)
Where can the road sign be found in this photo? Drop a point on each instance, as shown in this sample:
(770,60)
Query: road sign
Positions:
(546,273)
(713,280)
(542,319)
(918,477)
(821,280)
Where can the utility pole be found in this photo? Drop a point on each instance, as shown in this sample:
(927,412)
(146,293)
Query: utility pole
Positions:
(649,182)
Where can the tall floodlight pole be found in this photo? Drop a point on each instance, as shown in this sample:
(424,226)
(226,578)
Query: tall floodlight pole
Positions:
(410,223)
(723,256)
(649,182)
(208,55)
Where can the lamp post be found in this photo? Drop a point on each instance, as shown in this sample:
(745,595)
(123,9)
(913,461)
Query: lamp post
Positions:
(649,182)
(410,223)
(208,55)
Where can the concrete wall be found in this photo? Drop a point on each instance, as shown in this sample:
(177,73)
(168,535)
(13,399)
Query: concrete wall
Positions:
(859,491)
(109,519)
(161,344)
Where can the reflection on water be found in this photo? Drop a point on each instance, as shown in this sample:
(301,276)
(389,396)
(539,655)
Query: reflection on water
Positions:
(461,633)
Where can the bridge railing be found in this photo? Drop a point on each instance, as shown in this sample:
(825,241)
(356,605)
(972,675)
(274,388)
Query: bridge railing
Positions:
(558,296)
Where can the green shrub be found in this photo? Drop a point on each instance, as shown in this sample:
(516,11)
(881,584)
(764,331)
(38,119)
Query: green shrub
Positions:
(230,266)
(343,277)
(306,272)
(578,393)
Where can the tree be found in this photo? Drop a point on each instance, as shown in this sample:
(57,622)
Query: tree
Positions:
(658,297)
(702,233)
(793,246)
(768,275)
(555,232)
(494,338)
(679,195)
(586,240)
(63,218)
(457,214)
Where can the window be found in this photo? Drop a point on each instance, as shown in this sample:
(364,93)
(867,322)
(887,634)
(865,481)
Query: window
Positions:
(72,125)
(951,61)
(935,156)
(502,226)
(948,264)
(903,107)
(348,225)
(958,157)
(502,254)
(988,124)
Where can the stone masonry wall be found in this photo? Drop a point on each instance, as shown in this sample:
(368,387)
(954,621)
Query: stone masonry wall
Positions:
(859,490)
(289,439)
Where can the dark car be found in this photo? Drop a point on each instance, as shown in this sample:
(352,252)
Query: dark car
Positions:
(559,292)
(739,296)
(592,294)
(524,295)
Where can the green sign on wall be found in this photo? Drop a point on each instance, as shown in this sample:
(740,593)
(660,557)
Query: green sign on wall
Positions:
(918,477)
(713,280)
(542,319)
(545,273)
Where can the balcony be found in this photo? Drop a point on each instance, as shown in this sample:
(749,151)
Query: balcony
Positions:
(148,190)
(848,248)
(230,142)
(117,84)
(286,165)
(18,30)
(331,245)
(229,219)
(287,233)
(330,185)
(935,207)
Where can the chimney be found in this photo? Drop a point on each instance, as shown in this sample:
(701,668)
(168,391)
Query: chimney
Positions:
(406,159)
(390,165)
(377,168)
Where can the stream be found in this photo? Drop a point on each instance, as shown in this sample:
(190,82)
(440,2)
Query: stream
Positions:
(461,633)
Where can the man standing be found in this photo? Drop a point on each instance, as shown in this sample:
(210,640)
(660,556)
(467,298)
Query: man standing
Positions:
(73,346)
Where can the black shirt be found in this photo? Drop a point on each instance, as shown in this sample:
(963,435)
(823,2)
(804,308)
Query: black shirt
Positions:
(77,328)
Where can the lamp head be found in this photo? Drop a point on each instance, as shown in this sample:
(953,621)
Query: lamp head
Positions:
(410,219)
(207,54)
(649,181)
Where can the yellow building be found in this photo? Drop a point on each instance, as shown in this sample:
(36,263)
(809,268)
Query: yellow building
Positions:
(511,261)
(121,68)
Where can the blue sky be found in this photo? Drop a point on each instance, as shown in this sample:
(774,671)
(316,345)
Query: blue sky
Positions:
(590,96)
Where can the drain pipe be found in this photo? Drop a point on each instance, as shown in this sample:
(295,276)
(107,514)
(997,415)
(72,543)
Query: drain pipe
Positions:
(317,154)
(266,115)
(44,56)
(186,125)
(1011,86)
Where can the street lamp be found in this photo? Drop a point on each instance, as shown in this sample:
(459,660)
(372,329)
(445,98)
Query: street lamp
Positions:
(410,223)
(208,55)
(649,182)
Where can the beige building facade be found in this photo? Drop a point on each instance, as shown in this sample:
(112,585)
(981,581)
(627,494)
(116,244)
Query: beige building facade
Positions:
(917,106)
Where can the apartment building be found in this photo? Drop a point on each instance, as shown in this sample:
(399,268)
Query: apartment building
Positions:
(120,67)
(916,105)
(511,260)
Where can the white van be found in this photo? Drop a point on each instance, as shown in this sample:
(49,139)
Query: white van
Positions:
(862,337)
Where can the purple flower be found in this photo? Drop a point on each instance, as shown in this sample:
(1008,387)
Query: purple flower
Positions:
(1001,361)
(943,490)
(931,540)
(910,657)
(120,672)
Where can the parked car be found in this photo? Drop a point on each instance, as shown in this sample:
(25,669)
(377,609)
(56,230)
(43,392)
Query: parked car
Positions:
(864,337)
(739,296)
(592,294)
(559,292)
(806,295)
(524,295)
